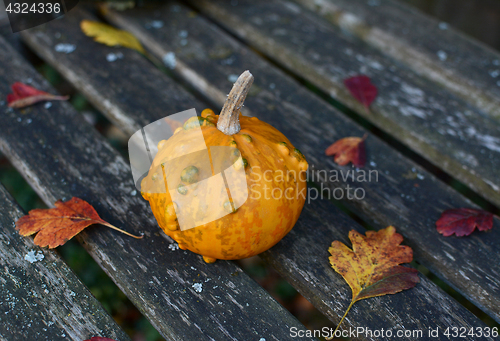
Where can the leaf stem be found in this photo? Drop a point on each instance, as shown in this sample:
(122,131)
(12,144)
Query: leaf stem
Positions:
(343,317)
(122,231)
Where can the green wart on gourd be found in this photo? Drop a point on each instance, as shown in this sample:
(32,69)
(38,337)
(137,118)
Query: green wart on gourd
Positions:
(182,189)
(240,163)
(195,122)
(170,209)
(298,154)
(190,174)
(283,148)
(247,138)
(228,207)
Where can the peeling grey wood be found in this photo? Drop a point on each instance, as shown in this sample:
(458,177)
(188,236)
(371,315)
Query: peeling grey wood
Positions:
(62,156)
(212,59)
(276,97)
(464,66)
(442,128)
(40,297)
(160,277)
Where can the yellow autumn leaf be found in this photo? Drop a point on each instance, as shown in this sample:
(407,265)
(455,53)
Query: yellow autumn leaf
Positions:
(110,36)
(371,267)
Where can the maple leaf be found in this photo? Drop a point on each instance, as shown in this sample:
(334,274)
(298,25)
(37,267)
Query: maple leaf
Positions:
(463,221)
(98,338)
(362,89)
(111,36)
(348,149)
(371,267)
(24,95)
(55,226)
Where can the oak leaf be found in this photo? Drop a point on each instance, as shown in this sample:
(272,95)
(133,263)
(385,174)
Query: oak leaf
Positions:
(55,226)
(24,95)
(362,89)
(111,36)
(348,149)
(371,267)
(463,221)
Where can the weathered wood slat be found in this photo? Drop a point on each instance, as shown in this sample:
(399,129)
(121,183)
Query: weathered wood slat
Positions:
(403,195)
(325,288)
(40,297)
(442,128)
(62,156)
(463,65)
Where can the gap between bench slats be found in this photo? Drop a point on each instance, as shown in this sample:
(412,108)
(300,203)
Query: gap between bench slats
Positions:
(404,195)
(466,67)
(439,126)
(62,156)
(319,288)
(40,297)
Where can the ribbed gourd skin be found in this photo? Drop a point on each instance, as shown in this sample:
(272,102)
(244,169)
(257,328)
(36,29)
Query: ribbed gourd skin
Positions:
(275,174)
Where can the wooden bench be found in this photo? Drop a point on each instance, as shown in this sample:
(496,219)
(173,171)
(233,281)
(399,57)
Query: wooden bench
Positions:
(444,113)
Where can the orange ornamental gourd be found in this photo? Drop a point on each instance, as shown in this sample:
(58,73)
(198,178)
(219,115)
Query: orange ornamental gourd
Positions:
(274,171)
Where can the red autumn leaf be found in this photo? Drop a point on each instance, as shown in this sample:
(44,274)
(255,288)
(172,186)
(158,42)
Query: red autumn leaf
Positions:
(463,221)
(362,89)
(348,149)
(98,338)
(24,95)
(55,226)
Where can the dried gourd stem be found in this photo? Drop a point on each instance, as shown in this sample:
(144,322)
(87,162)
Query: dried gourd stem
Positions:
(229,122)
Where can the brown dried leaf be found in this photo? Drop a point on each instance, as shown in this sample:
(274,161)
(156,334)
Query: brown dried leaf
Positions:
(55,226)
